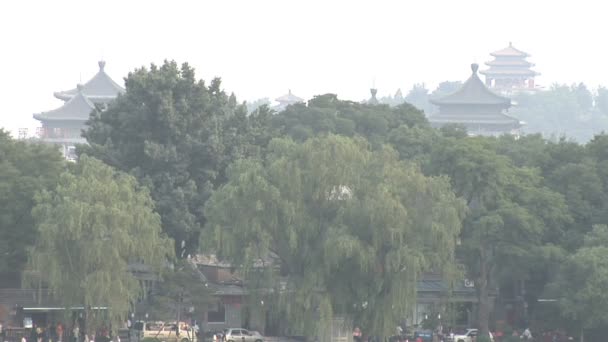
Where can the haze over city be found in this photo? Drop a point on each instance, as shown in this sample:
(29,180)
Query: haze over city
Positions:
(263,48)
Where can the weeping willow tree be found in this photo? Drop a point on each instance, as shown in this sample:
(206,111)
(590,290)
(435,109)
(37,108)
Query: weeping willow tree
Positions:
(331,228)
(90,227)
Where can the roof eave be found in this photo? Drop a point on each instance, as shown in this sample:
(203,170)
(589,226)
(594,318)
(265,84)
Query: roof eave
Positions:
(64,95)
(519,54)
(43,118)
(505,104)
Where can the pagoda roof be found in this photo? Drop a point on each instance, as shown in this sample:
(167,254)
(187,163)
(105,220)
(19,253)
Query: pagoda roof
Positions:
(510,51)
(99,89)
(473,92)
(289,98)
(500,62)
(78,108)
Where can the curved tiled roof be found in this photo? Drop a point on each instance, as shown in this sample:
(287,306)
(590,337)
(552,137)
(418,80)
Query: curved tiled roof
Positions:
(78,108)
(99,89)
(473,92)
(510,51)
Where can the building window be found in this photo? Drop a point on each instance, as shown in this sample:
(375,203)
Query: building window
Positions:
(218,315)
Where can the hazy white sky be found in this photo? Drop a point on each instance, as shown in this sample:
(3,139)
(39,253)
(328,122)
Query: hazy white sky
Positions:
(262,48)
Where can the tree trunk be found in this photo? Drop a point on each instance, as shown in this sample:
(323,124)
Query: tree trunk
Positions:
(582,339)
(483,311)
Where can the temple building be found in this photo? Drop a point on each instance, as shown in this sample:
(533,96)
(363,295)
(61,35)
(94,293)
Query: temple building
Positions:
(475,107)
(63,126)
(510,71)
(100,89)
(286,100)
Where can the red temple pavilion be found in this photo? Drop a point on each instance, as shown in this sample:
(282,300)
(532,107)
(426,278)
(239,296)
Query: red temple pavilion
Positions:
(510,70)
(475,107)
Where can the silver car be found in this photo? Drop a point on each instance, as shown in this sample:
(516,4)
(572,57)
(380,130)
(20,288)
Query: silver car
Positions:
(242,335)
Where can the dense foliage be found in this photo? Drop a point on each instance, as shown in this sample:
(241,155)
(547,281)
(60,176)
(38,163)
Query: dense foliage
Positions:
(25,168)
(90,227)
(349,202)
(176,135)
(348,229)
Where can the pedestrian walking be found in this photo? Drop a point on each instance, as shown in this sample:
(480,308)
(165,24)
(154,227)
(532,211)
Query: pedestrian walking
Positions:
(357,335)
(527,335)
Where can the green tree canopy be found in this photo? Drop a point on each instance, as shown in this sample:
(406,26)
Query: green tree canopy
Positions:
(510,213)
(25,168)
(581,283)
(176,135)
(90,227)
(328,114)
(349,229)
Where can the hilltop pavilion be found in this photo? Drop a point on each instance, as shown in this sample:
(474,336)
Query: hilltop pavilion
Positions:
(477,108)
(286,100)
(63,126)
(510,70)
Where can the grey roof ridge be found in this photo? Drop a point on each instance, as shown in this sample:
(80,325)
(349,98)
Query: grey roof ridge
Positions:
(48,115)
(68,94)
(472,81)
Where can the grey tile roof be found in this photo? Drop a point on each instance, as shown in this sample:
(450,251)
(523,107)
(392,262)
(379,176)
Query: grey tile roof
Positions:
(486,118)
(78,108)
(473,92)
(99,89)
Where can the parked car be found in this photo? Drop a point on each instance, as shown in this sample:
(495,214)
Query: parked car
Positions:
(242,335)
(468,335)
(425,335)
(162,331)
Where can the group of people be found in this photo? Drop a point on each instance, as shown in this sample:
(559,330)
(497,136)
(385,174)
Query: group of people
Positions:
(56,333)
(50,333)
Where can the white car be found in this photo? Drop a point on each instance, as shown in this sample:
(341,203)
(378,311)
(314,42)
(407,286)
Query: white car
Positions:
(468,336)
(242,335)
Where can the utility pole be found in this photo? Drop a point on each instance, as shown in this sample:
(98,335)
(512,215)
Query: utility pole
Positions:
(180,299)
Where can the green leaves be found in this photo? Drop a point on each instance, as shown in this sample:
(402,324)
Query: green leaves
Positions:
(582,281)
(176,136)
(89,228)
(25,168)
(511,212)
(345,226)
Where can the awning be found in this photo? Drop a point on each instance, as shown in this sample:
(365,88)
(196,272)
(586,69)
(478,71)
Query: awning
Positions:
(57,308)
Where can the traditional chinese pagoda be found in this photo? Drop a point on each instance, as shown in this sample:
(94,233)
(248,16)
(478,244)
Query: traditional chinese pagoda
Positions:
(476,107)
(510,70)
(100,89)
(63,126)
(286,100)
